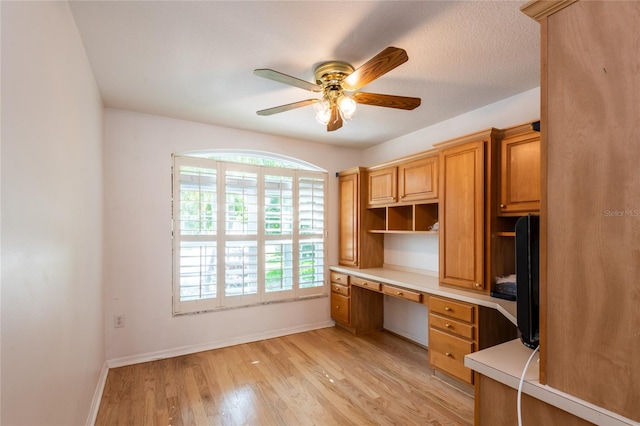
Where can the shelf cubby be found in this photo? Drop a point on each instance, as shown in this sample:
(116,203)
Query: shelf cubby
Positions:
(405,218)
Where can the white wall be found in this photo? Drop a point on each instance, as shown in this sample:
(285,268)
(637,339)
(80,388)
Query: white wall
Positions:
(52,320)
(421,251)
(508,112)
(138,272)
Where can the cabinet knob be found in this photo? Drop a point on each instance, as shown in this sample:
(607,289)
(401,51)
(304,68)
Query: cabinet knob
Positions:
(447,308)
(337,306)
(338,278)
(502,206)
(448,325)
(448,354)
(478,285)
(364,283)
(399,293)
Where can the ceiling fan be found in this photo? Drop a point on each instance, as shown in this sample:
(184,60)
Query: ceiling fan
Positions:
(334,79)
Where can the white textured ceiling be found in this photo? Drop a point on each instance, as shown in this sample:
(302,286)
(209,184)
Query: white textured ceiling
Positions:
(194,60)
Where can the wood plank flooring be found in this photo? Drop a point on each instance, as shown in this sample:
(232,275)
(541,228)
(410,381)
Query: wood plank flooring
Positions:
(321,377)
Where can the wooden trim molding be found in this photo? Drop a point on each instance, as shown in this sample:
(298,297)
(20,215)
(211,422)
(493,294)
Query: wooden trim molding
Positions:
(538,9)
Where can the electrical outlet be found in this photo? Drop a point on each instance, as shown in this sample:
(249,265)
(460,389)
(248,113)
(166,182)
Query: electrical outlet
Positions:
(118,321)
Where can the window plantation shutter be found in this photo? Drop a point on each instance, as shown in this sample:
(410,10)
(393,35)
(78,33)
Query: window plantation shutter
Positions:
(246,234)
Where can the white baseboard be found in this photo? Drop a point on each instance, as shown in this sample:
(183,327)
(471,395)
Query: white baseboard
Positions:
(408,336)
(97,396)
(185,350)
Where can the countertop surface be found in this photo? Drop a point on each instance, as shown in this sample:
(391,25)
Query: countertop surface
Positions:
(429,283)
(505,363)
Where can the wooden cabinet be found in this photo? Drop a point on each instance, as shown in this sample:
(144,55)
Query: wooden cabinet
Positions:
(590,216)
(356,247)
(383,186)
(418,180)
(340,298)
(458,328)
(520,173)
(498,406)
(452,335)
(410,180)
(356,303)
(462,215)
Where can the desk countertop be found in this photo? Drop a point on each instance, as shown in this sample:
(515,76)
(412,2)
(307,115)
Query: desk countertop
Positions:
(504,363)
(428,283)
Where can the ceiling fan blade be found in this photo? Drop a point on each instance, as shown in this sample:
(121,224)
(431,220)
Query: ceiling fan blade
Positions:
(382,63)
(287,107)
(389,101)
(287,79)
(335,121)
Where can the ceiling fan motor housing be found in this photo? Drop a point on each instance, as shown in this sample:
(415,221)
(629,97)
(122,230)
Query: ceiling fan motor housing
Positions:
(331,74)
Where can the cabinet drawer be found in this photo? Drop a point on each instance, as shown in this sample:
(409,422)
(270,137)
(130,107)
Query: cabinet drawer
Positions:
(452,326)
(340,308)
(450,308)
(414,296)
(340,289)
(446,352)
(360,282)
(337,277)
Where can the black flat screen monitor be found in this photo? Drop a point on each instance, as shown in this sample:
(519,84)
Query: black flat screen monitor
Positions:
(527,279)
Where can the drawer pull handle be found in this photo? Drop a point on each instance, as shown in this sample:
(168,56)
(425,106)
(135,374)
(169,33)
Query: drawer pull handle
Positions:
(338,278)
(364,283)
(447,308)
(448,354)
(447,325)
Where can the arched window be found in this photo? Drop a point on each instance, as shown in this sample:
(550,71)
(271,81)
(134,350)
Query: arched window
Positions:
(248,228)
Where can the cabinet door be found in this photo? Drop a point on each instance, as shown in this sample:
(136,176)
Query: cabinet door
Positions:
(461,215)
(520,174)
(348,220)
(383,186)
(418,180)
(340,308)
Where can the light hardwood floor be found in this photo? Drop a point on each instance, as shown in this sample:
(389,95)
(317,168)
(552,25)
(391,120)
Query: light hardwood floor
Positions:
(321,377)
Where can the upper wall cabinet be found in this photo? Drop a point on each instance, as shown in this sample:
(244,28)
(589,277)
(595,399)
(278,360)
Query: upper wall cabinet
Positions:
(418,180)
(411,180)
(383,186)
(520,172)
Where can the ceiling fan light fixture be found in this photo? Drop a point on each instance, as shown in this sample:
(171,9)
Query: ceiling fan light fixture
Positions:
(347,106)
(323,111)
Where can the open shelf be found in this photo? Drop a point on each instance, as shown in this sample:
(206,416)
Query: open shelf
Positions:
(506,234)
(405,219)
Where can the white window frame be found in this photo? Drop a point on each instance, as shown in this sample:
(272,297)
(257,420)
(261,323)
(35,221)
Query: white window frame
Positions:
(222,301)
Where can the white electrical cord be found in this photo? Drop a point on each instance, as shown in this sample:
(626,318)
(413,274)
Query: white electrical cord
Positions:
(524,371)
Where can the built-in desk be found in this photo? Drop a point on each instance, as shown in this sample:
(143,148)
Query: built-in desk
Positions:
(460,322)
(428,285)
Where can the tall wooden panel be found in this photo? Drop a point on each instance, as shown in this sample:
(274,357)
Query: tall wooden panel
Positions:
(349,219)
(591,83)
(357,247)
(462,216)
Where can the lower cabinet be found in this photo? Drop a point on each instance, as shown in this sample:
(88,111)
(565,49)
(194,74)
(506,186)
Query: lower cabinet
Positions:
(356,304)
(457,329)
(496,404)
(452,335)
(340,298)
